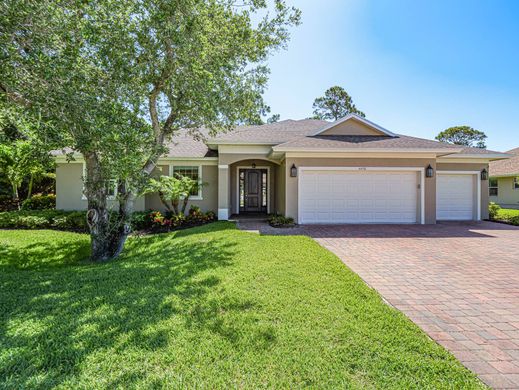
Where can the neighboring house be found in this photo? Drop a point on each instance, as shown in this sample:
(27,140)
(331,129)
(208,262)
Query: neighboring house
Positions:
(348,171)
(504,181)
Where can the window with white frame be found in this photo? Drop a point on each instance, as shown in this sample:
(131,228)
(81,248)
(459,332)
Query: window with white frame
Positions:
(516,183)
(492,187)
(193,172)
(111,186)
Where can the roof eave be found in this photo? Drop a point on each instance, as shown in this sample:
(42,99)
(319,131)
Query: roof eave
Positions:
(215,143)
(359,150)
(483,156)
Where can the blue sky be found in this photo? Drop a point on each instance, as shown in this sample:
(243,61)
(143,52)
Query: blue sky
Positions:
(414,67)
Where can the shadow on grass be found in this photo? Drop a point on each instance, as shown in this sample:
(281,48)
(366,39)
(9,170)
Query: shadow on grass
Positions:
(42,255)
(53,319)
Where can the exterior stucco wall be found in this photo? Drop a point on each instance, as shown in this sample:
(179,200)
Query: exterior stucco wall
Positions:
(471,167)
(291,202)
(507,196)
(280,188)
(69,188)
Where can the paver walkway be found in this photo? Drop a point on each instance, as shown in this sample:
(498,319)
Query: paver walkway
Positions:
(458,281)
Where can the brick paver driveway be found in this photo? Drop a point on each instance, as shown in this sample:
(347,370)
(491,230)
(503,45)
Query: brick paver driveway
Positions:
(458,281)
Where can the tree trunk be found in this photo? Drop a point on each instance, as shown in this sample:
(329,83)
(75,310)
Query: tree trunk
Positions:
(107,235)
(98,218)
(123,228)
(15,195)
(174,203)
(29,189)
(164,201)
(184,204)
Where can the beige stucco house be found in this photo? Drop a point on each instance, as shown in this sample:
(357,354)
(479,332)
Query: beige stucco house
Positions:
(504,181)
(348,171)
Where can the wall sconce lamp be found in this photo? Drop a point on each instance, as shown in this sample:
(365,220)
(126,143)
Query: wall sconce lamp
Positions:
(484,174)
(429,171)
(293,171)
(253,165)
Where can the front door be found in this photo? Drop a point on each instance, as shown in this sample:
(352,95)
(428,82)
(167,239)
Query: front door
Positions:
(253,190)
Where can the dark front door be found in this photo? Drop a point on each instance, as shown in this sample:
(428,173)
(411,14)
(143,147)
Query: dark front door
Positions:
(253,190)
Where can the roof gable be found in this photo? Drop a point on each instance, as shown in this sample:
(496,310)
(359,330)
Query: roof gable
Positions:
(354,125)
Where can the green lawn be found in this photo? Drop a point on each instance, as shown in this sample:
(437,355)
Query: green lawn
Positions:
(208,307)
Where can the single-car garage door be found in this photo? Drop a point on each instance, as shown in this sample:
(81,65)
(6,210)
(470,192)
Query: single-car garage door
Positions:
(345,196)
(455,197)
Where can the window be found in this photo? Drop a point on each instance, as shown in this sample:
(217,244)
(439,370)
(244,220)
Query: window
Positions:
(194,173)
(242,188)
(492,187)
(264,189)
(516,183)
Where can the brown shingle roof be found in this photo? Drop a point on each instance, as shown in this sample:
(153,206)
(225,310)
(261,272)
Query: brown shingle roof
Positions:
(272,133)
(509,167)
(187,143)
(365,142)
(299,134)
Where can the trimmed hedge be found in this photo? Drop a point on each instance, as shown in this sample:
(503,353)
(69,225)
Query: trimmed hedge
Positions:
(76,220)
(40,202)
(44,219)
(498,214)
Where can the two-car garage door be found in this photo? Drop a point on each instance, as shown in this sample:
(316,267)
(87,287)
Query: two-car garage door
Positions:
(358,196)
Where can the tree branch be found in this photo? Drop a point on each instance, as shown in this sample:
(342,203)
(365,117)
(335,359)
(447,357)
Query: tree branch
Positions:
(14,96)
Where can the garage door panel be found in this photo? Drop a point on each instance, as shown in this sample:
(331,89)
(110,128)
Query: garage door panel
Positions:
(455,197)
(358,197)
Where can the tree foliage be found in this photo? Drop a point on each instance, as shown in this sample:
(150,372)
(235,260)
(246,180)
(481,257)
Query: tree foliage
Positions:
(274,118)
(174,192)
(335,104)
(463,135)
(117,79)
(22,154)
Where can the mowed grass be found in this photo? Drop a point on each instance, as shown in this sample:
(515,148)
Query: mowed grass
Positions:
(210,307)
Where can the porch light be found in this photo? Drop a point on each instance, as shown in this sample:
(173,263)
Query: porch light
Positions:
(484,174)
(293,171)
(429,171)
(253,165)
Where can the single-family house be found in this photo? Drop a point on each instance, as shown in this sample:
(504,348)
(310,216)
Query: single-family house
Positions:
(348,171)
(504,181)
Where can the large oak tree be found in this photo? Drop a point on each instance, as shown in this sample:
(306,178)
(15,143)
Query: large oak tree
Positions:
(116,79)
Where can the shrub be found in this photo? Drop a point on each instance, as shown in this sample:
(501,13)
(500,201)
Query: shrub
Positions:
(40,202)
(76,220)
(44,219)
(493,210)
(7,203)
(141,220)
(514,220)
(280,221)
(170,221)
(34,222)
(193,210)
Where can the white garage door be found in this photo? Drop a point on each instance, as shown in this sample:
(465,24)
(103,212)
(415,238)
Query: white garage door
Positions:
(455,197)
(329,196)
